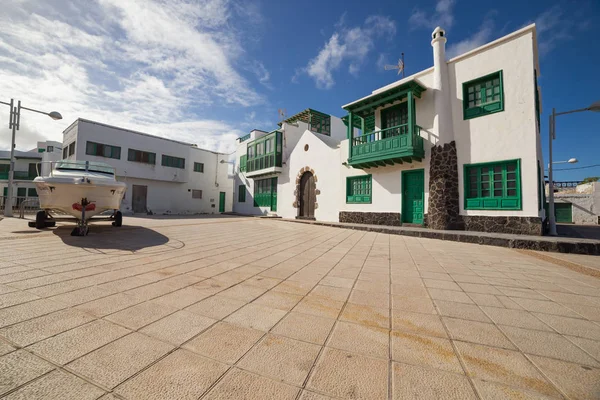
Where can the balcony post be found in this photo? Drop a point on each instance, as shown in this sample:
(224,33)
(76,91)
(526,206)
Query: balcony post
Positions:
(350,131)
(411,122)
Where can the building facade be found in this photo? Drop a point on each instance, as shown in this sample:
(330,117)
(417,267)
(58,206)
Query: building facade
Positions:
(456,146)
(163,176)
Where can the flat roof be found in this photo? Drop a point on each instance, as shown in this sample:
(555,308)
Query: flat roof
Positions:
(137,133)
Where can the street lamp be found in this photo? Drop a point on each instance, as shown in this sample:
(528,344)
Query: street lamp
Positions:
(13,123)
(552,135)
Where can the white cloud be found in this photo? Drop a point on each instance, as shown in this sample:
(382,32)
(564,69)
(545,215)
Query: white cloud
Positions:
(350,45)
(151,65)
(442,16)
(556,25)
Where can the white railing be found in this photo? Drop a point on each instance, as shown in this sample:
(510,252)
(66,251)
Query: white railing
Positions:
(66,165)
(28,204)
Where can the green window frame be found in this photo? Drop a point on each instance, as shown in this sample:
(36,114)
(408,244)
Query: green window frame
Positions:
(493,185)
(483,96)
(174,162)
(241,193)
(198,167)
(320,123)
(141,156)
(102,150)
(243,161)
(359,189)
(265,193)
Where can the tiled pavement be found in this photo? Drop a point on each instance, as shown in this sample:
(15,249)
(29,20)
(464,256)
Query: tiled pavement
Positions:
(236,308)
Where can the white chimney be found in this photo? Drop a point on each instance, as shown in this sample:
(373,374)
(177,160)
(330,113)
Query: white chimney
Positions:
(442,123)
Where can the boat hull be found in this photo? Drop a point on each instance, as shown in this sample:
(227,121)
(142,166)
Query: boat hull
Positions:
(67,194)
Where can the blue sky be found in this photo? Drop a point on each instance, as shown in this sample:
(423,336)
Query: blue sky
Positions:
(208,71)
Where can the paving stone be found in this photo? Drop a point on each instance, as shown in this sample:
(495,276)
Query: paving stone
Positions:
(20,367)
(414,382)
(380,300)
(34,330)
(461,310)
(337,282)
(141,314)
(347,375)
(281,358)
(375,287)
(74,343)
(224,342)
(503,366)
(426,351)
(238,384)
(57,385)
(256,317)
(441,284)
(278,300)
(592,347)
(319,307)
(413,304)
(299,288)
(576,381)
(108,305)
(547,344)
(216,307)
(518,318)
(14,298)
(545,307)
(243,292)
(479,288)
(477,332)
(305,327)
(181,298)
(81,296)
(450,295)
(365,315)
(32,309)
(362,339)
(497,391)
(181,375)
(117,361)
(178,327)
(306,395)
(420,324)
(5,348)
(330,292)
(572,326)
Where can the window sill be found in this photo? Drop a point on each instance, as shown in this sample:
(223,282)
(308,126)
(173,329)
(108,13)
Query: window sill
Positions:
(484,110)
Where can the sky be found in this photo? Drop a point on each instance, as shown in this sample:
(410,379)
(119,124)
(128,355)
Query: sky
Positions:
(209,71)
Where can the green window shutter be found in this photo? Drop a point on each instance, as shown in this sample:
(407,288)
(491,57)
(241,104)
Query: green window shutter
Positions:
(241,194)
(483,96)
(493,186)
(369,123)
(243,161)
(31,192)
(359,189)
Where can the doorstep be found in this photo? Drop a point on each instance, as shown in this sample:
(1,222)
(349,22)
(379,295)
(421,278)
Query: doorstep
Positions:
(540,243)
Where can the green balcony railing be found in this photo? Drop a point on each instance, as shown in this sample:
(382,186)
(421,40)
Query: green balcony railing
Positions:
(21,175)
(389,146)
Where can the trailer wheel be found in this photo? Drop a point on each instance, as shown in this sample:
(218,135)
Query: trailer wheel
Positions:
(40,219)
(118,219)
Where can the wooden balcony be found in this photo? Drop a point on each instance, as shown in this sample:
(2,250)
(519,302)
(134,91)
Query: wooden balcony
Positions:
(395,145)
(264,155)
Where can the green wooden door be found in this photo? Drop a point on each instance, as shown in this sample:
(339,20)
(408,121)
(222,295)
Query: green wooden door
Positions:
(413,196)
(274,194)
(221,201)
(563,212)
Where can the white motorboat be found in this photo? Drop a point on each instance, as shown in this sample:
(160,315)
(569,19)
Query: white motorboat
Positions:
(82,189)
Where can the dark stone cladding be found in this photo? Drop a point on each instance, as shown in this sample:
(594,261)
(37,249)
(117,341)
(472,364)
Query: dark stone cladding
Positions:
(370,218)
(508,224)
(443,212)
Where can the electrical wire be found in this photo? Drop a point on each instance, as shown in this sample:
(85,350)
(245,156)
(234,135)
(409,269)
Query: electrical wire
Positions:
(569,169)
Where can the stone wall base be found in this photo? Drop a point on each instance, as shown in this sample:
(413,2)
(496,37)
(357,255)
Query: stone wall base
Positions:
(370,218)
(508,224)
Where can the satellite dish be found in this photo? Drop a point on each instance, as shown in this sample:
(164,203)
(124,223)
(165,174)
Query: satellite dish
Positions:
(399,66)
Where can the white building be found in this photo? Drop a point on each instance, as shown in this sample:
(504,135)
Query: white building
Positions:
(456,146)
(26,169)
(163,176)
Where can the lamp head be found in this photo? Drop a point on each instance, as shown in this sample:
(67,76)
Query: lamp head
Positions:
(572,160)
(55,115)
(595,107)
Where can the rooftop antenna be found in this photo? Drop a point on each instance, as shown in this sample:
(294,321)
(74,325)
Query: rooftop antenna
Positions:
(399,66)
(282,114)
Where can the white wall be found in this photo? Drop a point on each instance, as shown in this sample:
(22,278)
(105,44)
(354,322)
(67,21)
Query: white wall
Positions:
(169,189)
(506,135)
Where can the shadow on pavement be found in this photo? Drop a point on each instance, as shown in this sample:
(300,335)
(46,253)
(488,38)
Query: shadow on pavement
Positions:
(107,237)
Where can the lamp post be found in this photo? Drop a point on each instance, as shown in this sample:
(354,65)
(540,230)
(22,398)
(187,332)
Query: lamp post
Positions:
(552,135)
(13,124)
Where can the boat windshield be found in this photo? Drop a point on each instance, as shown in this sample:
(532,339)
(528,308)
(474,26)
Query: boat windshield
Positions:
(103,168)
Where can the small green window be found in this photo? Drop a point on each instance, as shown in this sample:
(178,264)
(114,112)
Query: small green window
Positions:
(493,186)
(241,193)
(31,192)
(175,162)
(483,96)
(198,167)
(243,160)
(359,189)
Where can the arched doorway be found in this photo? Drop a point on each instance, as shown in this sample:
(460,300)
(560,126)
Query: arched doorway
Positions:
(307,196)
